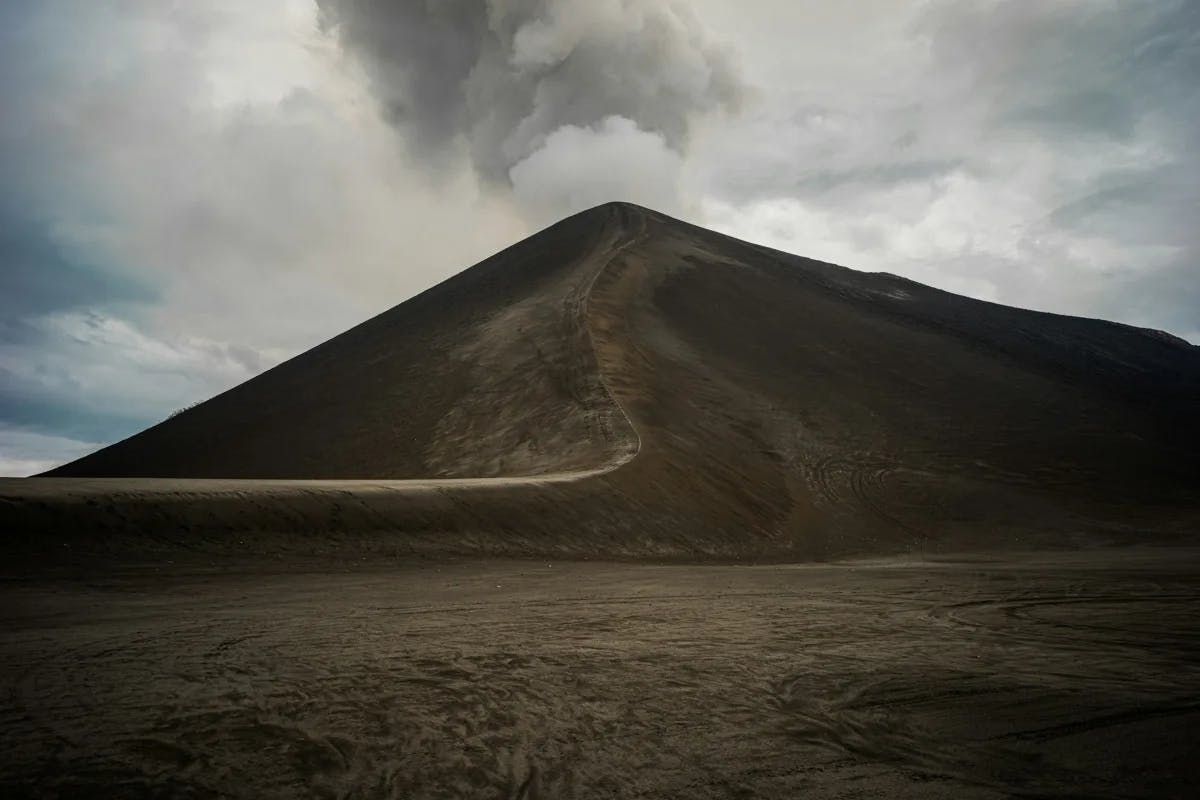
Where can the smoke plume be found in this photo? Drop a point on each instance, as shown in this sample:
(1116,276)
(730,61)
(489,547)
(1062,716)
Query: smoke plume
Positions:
(503,77)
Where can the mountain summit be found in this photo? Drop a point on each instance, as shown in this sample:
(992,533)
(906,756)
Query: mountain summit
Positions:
(699,393)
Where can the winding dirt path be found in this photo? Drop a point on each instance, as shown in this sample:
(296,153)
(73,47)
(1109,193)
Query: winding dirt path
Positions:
(55,487)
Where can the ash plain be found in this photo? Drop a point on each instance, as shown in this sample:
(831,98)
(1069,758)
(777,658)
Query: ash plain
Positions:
(1040,675)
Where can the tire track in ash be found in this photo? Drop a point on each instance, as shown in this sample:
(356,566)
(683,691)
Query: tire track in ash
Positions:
(559,690)
(852,485)
(229,702)
(1017,618)
(69,723)
(1087,677)
(866,719)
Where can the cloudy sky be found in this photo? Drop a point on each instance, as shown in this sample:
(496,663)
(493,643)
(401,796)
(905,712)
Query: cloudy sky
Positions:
(192,191)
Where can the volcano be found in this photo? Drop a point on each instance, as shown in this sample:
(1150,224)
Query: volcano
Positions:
(623,383)
(536,533)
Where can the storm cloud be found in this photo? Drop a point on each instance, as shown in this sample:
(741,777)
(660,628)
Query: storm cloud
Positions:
(1036,154)
(504,78)
(191,192)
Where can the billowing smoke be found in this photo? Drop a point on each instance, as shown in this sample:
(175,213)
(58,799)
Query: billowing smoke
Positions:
(513,77)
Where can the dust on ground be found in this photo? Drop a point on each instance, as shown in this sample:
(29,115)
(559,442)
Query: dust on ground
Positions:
(1036,676)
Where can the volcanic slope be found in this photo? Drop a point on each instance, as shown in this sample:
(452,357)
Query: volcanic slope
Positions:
(637,385)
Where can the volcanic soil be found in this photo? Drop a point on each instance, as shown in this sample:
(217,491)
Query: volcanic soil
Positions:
(631,509)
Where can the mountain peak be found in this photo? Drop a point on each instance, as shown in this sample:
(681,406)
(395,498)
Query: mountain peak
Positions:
(603,368)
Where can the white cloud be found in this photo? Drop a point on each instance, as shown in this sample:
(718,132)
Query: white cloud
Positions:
(229,158)
(232,163)
(1035,154)
(578,168)
(25,453)
(106,363)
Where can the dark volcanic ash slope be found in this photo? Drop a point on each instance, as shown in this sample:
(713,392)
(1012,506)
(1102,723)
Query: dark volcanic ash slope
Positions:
(489,373)
(682,392)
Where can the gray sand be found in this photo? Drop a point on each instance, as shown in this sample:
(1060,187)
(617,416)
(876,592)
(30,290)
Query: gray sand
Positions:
(1052,675)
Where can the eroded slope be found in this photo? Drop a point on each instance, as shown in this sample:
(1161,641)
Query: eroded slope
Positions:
(489,373)
(631,385)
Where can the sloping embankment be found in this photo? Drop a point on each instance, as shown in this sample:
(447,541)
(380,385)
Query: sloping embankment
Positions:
(624,385)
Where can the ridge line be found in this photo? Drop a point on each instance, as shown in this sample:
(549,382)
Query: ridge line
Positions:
(587,296)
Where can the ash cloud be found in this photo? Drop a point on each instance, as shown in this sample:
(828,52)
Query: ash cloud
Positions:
(506,75)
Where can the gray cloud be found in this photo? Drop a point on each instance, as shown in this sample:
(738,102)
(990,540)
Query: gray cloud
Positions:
(1037,154)
(190,192)
(39,275)
(26,453)
(505,75)
(1097,69)
(621,161)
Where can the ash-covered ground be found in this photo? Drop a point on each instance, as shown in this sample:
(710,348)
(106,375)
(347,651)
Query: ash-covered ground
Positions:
(1037,675)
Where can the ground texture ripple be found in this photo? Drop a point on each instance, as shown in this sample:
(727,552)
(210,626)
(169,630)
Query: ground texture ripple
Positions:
(1048,676)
